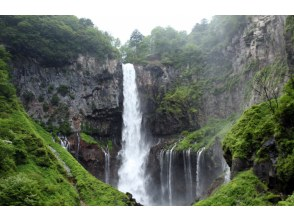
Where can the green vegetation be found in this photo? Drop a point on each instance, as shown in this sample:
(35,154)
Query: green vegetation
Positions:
(247,138)
(88,139)
(244,190)
(174,48)
(106,143)
(254,127)
(30,172)
(206,135)
(180,100)
(55,100)
(54,40)
(63,90)
(288,202)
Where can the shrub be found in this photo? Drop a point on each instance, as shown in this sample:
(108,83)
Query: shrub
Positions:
(63,90)
(6,156)
(19,190)
(45,107)
(55,100)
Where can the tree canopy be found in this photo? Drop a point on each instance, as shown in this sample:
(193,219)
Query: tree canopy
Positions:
(54,40)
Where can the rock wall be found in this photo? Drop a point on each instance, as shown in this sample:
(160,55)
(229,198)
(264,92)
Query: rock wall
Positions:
(86,94)
(260,44)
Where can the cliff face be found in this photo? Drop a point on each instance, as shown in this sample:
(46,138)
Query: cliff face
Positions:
(231,74)
(86,94)
(83,97)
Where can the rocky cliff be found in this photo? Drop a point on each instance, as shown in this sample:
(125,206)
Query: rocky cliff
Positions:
(231,85)
(85,96)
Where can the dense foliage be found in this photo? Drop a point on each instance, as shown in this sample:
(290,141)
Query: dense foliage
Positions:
(205,136)
(34,170)
(54,40)
(258,125)
(175,48)
(244,190)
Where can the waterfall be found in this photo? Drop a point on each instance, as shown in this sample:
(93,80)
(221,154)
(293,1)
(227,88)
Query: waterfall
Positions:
(162,176)
(198,173)
(166,176)
(188,174)
(64,142)
(227,171)
(170,176)
(134,150)
(106,165)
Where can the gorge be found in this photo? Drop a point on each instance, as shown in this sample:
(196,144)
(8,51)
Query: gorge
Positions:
(198,118)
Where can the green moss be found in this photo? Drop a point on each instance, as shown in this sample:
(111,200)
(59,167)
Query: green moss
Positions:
(205,135)
(180,100)
(63,90)
(244,190)
(288,202)
(88,139)
(253,128)
(257,125)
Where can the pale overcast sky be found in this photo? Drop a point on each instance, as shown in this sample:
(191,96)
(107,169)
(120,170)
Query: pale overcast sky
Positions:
(121,17)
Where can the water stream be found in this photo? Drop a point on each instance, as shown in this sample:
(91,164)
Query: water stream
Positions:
(134,150)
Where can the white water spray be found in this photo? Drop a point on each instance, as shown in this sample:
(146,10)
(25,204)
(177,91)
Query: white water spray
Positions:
(188,174)
(106,165)
(198,187)
(134,150)
(170,176)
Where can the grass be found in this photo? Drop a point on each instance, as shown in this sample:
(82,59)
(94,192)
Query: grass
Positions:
(206,135)
(244,190)
(107,143)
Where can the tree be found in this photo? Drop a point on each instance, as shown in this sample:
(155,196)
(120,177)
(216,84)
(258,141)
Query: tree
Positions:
(136,38)
(262,88)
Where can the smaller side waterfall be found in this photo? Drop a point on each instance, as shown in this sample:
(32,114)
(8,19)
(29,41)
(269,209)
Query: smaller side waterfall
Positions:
(227,171)
(170,175)
(188,175)
(106,165)
(64,142)
(162,175)
(198,173)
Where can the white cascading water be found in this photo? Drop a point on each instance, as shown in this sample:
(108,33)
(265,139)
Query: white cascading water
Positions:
(106,165)
(198,173)
(227,171)
(170,176)
(134,150)
(188,175)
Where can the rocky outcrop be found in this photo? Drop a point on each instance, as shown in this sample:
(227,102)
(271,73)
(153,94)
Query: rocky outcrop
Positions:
(87,94)
(230,75)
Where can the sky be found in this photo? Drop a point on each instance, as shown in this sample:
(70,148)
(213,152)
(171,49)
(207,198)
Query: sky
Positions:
(121,17)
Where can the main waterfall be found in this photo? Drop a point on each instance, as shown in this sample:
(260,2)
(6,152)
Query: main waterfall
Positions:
(134,150)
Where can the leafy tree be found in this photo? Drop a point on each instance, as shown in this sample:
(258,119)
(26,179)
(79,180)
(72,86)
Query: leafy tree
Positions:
(54,40)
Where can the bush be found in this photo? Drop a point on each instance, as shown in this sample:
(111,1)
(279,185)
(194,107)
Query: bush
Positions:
(19,190)
(55,100)
(244,189)
(6,156)
(63,90)
(6,90)
(45,107)
(28,96)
